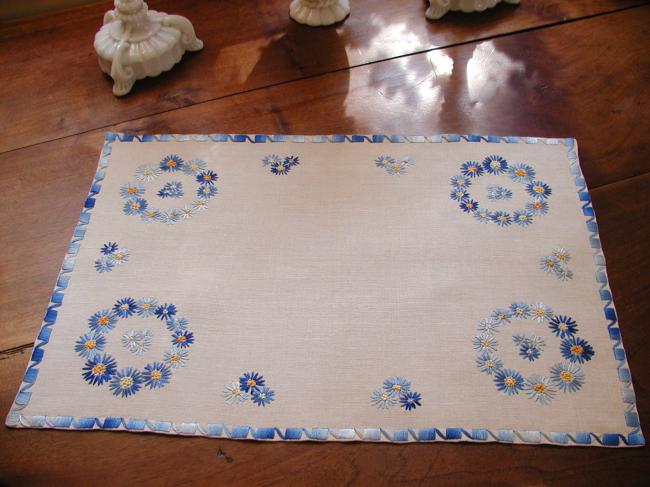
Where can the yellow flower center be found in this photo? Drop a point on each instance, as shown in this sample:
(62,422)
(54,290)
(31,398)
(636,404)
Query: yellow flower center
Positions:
(566,376)
(538,189)
(118,256)
(90,344)
(126,382)
(470,205)
(181,338)
(489,363)
(485,343)
(124,307)
(135,206)
(562,326)
(385,397)
(537,206)
(472,168)
(396,387)
(171,163)
(495,164)
(550,263)
(150,213)
(262,395)
(576,350)
(156,375)
(206,190)
(539,313)
(509,381)
(146,306)
(147,172)
(193,167)
(175,357)
(251,383)
(132,190)
(98,369)
(281,168)
(502,218)
(207,177)
(103,321)
(520,172)
(560,255)
(395,169)
(539,388)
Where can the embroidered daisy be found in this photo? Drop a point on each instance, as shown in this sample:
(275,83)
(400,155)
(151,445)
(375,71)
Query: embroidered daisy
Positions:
(176,357)
(99,369)
(397,385)
(459,195)
(169,217)
(483,216)
(468,205)
(177,323)
(549,264)
(165,311)
(567,377)
(234,395)
(495,164)
(489,363)
(520,311)
(104,264)
(271,159)
(563,326)
(561,254)
(501,315)
(182,338)
(150,215)
(528,351)
(509,381)
(292,161)
(501,218)
(156,375)
(576,349)
(206,191)
(251,381)
(522,218)
(383,161)
(193,167)
(485,342)
(199,205)
(125,307)
(488,325)
(131,190)
(146,307)
(539,389)
(135,206)
(90,344)
(120,256)
(102,321)
(521,173)
(382,399)
(541,312)
(410,400)
(460,182)
(137,341)
(187,212)
(207,177)
(280,168)
(109,248)
(262,396)
(471,169)
(538,189)
(396,168)
(147,172)
(537,208)
(126,382)
(171,163)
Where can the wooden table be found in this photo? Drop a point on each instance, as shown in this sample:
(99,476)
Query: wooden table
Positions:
(547,68)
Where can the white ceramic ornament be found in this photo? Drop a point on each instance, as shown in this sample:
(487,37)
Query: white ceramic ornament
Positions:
(438,8)
(136,42)
(319,12)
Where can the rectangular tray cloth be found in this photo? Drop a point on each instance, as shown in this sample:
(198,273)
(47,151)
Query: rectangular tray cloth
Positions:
(345,281)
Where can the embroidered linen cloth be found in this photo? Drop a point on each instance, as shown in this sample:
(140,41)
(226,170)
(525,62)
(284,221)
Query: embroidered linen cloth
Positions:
(377,288)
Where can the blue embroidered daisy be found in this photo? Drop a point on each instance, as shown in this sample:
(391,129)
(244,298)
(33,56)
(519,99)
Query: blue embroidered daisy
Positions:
(563,326)
(251,381)
(207,177)
(292,161)
(528,351)
(576,349)
(280,168)
(538,189)
(537,208)
(522,218)
(501,218)
(561,254)
(125,307)
(90,344)
(234,395)
(410,400)
(471,169)
(104,264)
(539,389)
(460,182)
(135,206)
(485,342)
(199,205)
(176,357)
(99,369)
(146,307)
(495,164)
(397,385)
(509,381)
(126,382)
(521,173)
(182,338)
(193,167)
(488,325)
(156,375)
(382,399)
(206,191)
(131,190)
(165,311)
(520,311)
(567,377)
(489,363)
(170,217)
(549,264)
(483,215)
(271,159)
(262,396)
(120,256)
(383,161)
(171,163)
(109,247)
(177,323)
(468,205)
(150,215)
(102,321)
(147,172)
(501,315)
(397,168)
(541,312)
(459,195)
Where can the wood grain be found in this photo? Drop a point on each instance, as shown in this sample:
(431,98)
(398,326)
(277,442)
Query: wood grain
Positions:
(57,89)
(519,84)
(119,458)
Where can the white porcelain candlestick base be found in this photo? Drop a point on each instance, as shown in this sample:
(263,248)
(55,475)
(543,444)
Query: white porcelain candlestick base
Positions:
(136,42)
(319,12)
(438,8)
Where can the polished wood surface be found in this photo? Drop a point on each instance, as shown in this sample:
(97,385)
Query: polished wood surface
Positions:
(546,68)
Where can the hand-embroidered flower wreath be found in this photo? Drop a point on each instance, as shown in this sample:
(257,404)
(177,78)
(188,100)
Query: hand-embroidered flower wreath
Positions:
(134,192)
(496,165)
(101,368)
(564,376)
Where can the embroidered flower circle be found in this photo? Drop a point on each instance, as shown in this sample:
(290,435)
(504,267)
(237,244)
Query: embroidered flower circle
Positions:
(497,166)
(564,377)
(137,204)
(102,368)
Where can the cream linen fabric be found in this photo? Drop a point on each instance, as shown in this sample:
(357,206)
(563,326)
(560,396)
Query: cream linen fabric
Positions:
(329,280)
